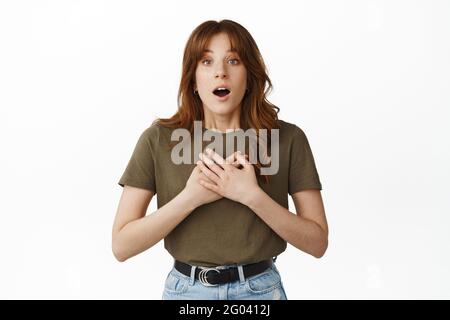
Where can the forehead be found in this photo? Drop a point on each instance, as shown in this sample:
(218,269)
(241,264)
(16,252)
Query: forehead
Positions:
(219,42)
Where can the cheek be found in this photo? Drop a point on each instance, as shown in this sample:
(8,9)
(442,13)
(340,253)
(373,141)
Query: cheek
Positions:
(242,76)
(201,79)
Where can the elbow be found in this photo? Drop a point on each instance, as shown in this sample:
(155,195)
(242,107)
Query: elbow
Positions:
(321,249)
(119,257)
(118,252)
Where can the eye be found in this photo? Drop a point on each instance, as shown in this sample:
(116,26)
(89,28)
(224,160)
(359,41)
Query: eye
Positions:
(203,61)
(237,61)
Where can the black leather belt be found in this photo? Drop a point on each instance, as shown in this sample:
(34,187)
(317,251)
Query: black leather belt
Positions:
(214,276)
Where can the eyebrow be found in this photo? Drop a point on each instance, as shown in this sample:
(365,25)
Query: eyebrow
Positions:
(208,50)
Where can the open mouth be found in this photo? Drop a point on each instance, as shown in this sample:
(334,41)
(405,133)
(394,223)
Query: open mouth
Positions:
(221,92)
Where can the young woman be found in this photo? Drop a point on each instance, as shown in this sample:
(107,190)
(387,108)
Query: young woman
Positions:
(223,221)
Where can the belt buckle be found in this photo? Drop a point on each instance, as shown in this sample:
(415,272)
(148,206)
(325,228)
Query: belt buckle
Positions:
(202,276)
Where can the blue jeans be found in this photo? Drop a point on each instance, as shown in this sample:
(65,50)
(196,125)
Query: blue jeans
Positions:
(264,286)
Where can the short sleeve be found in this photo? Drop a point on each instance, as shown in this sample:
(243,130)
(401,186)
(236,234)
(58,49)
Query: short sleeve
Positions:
(140,171)
(302,168)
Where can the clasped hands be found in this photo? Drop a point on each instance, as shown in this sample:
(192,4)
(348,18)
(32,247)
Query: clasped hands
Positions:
(220,177)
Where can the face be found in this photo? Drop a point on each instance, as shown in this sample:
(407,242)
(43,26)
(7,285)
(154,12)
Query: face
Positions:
(219,67)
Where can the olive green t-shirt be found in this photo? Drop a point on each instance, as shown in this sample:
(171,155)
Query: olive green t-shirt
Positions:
(222,232)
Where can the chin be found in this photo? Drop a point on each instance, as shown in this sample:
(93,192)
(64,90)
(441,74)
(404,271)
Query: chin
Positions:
(222,112)
(221,109)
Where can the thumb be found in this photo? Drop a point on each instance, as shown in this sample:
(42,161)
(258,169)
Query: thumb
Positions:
(242,160)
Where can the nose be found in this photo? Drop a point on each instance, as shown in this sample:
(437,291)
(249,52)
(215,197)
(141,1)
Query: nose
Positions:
(220,71)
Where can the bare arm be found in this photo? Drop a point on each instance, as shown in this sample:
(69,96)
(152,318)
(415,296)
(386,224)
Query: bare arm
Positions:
(307,230)
(133,232)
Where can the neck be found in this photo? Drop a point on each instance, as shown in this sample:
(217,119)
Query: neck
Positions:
(222,122)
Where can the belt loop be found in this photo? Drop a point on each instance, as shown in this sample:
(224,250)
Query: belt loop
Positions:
(241,274)
(192,279)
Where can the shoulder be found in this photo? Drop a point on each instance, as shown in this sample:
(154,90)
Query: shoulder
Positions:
(155,132)
(290,130)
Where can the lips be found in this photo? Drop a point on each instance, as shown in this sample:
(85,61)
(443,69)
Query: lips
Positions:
(221,90)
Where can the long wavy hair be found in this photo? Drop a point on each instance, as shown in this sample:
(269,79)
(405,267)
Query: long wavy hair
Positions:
(256,111)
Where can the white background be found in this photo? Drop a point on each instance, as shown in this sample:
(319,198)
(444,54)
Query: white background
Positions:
(368,82)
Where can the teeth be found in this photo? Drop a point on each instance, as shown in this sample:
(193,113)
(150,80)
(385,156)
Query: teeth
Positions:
(221,89)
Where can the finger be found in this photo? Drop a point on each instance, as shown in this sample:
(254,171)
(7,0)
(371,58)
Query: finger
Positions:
(207,172)
(239,152)
(209,186)
(211,164)
(242,160)
(235,163)
(231,158)
(203,176)
(216,157)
